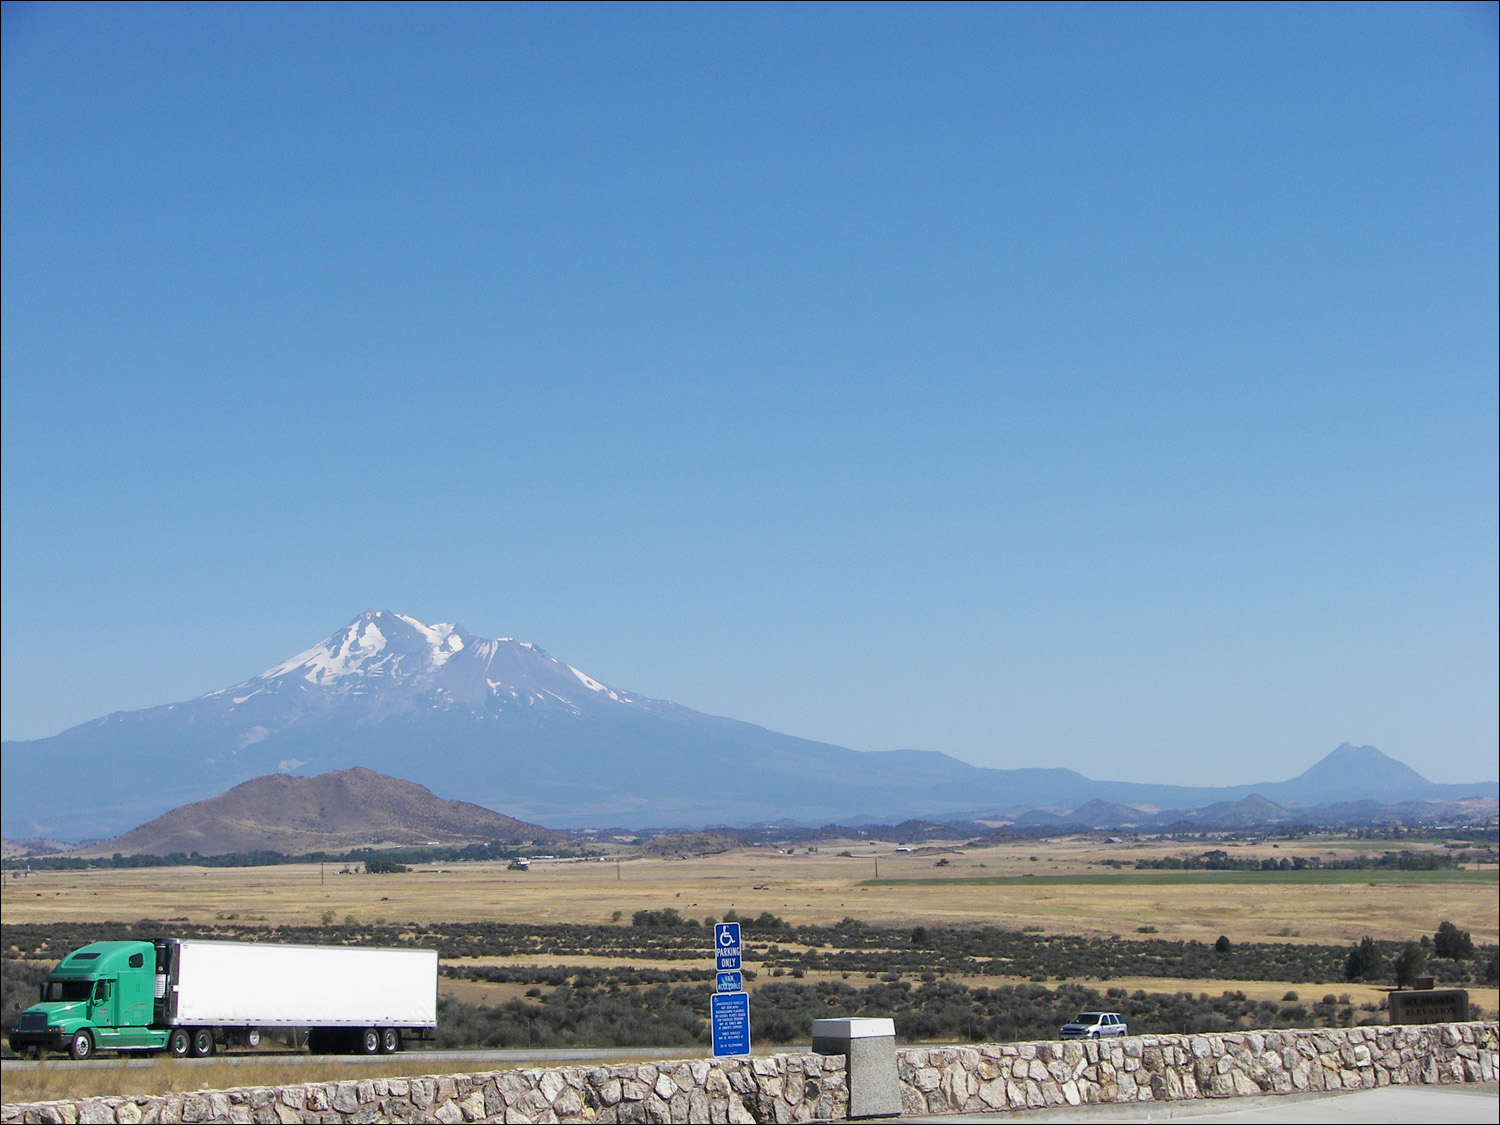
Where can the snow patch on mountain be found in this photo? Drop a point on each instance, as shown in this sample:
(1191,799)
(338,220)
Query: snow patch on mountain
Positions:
(443,640)
(593,684)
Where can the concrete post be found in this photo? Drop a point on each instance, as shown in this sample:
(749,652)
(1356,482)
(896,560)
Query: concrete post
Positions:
(869,1050)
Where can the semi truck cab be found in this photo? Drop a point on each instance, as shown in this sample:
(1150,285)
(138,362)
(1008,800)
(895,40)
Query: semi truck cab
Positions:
(102,996)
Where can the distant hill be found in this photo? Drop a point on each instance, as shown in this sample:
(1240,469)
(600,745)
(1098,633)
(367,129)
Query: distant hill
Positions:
(19,849)
(1254,810)
(330,812)
(689,844)
(1094,814)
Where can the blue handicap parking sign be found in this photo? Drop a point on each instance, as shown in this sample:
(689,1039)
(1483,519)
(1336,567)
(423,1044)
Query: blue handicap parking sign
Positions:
(727,948)
(731,1023)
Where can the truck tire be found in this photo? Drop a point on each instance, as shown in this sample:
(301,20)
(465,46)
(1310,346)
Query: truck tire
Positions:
(82,1046)
(390,1041)
(203,1043)
(369,1041)
(179,1043)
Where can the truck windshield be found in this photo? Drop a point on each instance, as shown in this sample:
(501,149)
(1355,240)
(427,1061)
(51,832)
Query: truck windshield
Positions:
(67,989)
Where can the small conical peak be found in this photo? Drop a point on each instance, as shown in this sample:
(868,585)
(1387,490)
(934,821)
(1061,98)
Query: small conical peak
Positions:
(1349,756)
(1363,767)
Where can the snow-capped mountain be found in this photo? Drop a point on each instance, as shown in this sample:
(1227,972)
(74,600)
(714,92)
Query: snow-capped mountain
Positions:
(397,663)
(499,722)
(503,724)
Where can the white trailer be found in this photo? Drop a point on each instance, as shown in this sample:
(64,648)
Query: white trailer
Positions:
(348,997)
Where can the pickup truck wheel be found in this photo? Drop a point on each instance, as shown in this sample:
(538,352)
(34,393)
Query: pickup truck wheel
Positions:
(369,1041)
(203,1043)
(390,1041)
(179,1043)
(82,1046)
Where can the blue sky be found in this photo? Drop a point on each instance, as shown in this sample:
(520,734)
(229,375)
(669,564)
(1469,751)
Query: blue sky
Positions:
(1111,387)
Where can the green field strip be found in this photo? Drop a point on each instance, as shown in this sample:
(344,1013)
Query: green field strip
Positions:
(1196,878)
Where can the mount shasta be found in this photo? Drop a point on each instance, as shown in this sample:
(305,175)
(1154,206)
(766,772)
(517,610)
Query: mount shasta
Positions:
(503,724)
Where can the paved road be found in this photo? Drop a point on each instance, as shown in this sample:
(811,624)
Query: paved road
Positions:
(1389,1105)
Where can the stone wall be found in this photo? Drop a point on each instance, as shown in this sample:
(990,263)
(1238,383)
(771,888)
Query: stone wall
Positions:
(1172,1067)
(778,1088)
(798,1087)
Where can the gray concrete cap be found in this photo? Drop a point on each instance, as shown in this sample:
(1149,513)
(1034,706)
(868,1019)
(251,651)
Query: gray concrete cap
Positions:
(854,1029)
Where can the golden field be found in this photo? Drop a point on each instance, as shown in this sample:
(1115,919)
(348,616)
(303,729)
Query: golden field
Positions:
(802,888)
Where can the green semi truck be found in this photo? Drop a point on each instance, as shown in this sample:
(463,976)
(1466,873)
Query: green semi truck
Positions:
(193,998)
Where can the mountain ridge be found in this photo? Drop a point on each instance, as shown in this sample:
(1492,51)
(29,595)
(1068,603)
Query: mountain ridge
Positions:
(505,724)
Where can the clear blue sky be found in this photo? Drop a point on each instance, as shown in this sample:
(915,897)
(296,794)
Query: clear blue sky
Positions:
(1110,387)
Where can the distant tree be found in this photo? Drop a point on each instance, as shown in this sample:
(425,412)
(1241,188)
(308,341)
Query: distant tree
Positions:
(1409,964)
(1223,945)
(656,918)
(1452,943)
(1365,961)
(919,935)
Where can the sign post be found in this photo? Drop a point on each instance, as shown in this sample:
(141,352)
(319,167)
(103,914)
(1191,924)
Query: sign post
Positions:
(729,1007)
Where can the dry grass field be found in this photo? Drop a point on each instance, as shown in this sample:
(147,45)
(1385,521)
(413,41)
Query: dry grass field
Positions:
(481,992)
(821,887)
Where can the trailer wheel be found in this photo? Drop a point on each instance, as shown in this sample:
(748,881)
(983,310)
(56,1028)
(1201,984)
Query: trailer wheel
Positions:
(390,1041)
(203,1043)
(179,1043)
(82,1046)
(369,1041)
